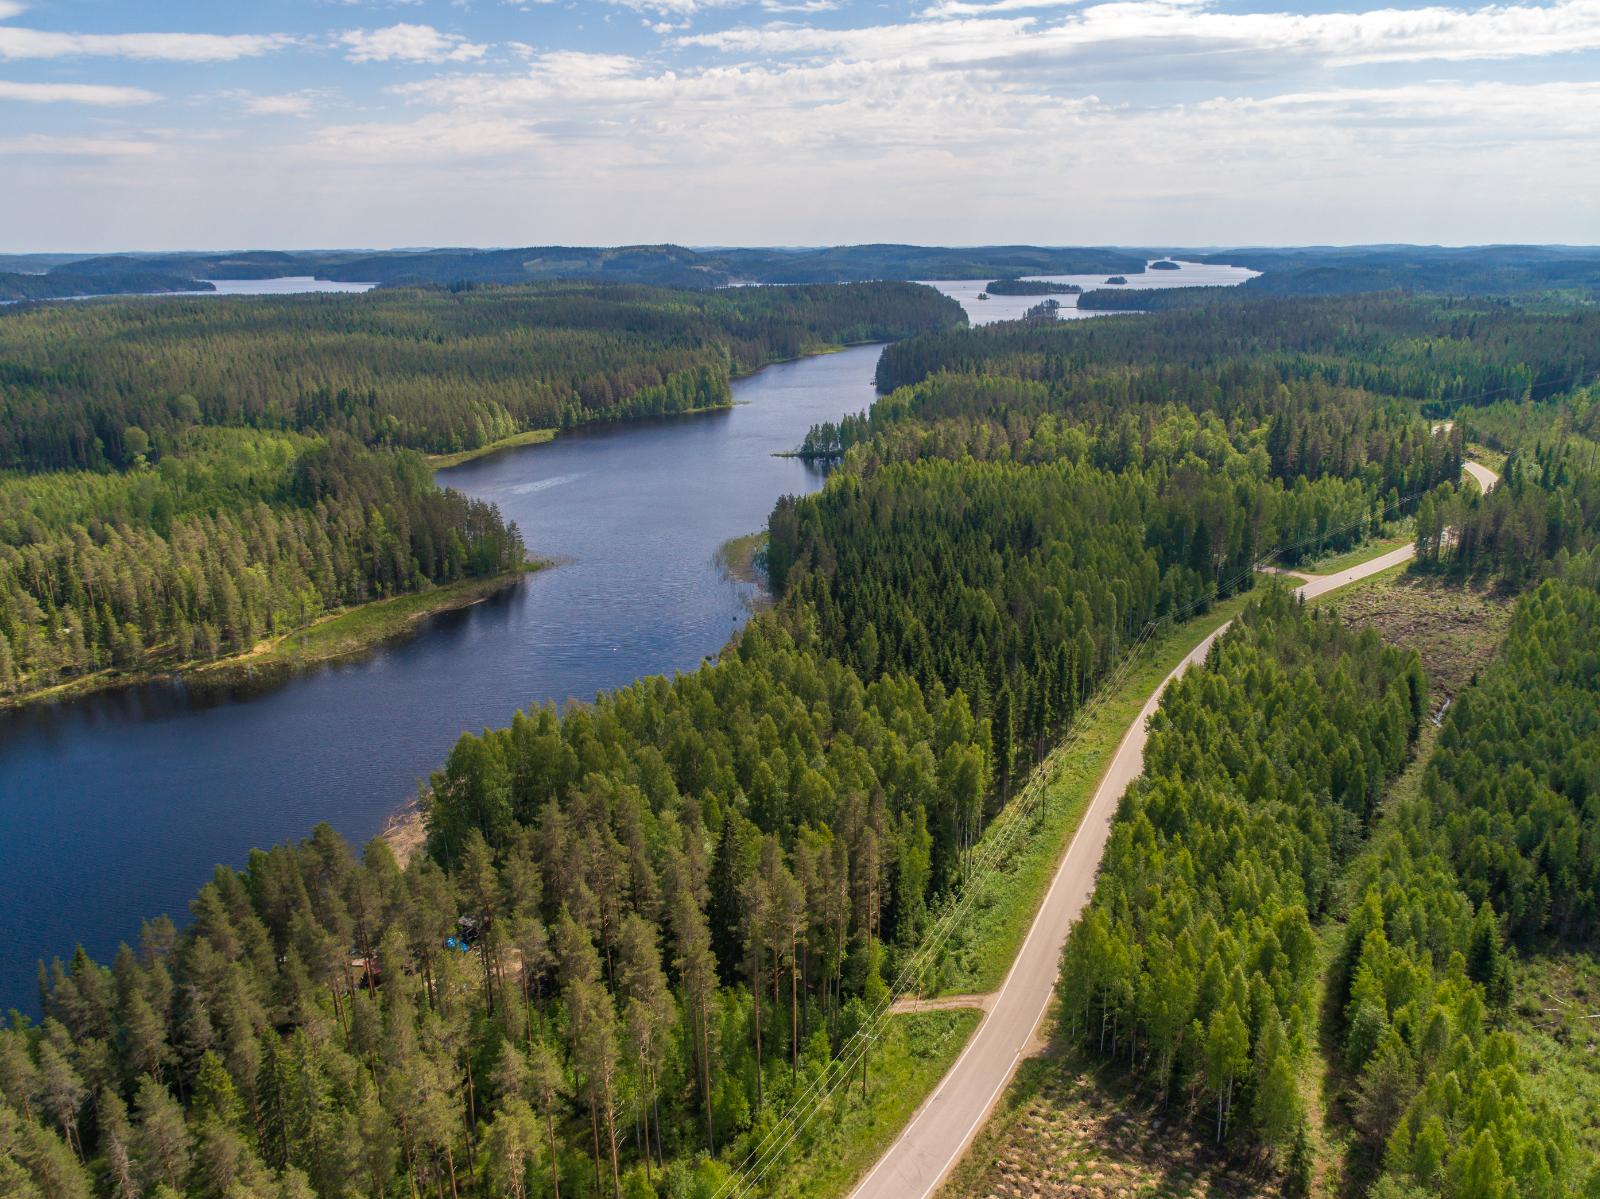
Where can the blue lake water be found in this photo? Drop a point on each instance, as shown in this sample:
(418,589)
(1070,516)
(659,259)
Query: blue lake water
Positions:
(116,806)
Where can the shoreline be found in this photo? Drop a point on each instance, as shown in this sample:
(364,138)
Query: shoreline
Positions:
(405,832)
(334,635)
(743,559)
(532,437)
(515,441)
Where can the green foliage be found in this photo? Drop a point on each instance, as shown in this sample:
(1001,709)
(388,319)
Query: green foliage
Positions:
(248,535)
(643,927)
(1196,961)
(267,479)
(440,371)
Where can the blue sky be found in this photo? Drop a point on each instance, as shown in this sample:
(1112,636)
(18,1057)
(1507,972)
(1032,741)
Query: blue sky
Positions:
(162,124)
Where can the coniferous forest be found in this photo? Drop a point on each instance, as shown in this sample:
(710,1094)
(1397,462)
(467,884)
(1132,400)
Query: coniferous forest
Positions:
(182,478)
(640,928)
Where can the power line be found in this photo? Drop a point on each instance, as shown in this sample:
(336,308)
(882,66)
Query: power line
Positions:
(1002,833)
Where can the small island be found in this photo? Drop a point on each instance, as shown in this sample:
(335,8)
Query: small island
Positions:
(1166,264)
(1117,279)
(1032,287)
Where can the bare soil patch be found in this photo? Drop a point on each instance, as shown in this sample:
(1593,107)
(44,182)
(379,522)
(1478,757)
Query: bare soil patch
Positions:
(1070,1129)
(1456,627)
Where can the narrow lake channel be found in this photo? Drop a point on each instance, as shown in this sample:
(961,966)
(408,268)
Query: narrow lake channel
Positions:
(116,806)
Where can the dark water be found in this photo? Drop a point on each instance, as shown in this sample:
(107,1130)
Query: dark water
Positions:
(1010,308)
(116,806)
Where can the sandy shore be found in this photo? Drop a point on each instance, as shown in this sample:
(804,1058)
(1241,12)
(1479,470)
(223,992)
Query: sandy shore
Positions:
(405,833)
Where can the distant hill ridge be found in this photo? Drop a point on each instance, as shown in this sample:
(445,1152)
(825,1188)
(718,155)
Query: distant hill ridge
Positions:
(662,265)
(1304,270)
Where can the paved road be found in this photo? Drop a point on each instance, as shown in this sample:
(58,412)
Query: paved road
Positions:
(942,1128)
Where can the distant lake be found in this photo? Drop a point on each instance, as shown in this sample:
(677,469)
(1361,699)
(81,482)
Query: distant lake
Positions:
(116,806)
(288,285)
(1009,308)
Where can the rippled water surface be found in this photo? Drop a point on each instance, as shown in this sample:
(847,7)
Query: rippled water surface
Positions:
(116,806)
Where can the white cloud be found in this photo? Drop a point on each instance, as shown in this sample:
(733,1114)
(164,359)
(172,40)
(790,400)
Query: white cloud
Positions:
(409,43)
(286,104)
(16,43)
(95,147)
(75,93)
(9,9)
(1153,29)
(1026,120)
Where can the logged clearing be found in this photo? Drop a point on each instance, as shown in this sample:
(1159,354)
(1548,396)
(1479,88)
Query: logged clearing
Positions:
(1455,627)
(1068,1129)
(1556,1020)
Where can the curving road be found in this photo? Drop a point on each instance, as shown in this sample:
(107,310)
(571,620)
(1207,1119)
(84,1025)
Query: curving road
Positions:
(942,1128)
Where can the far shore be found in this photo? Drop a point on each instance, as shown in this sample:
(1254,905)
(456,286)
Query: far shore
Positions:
(540,436)
(336,635)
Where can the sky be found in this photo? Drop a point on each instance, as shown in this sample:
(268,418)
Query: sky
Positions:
(212,124)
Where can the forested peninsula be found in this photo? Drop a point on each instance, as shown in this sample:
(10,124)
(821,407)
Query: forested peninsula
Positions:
(1031,287)
(186,481)
(642,932)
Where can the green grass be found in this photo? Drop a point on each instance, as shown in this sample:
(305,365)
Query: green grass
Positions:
(529,437)
(984,945)
(847,1137)
(1330,564)
(362,627)
(1555,1019)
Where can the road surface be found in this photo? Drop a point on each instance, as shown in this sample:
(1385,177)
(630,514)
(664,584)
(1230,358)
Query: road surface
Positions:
(942,1128)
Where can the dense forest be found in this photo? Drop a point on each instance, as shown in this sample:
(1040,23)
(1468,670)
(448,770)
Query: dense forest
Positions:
(642,928)
(1196,962)
(1444,352)
(42,276)
(1547,509)
(234,536)
(1448,270)
(1031,287)
(433,370)
(187,477)
(1196,965)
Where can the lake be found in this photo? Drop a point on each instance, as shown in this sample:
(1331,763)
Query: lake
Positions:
(116,806)
(286,285)
(1009,308)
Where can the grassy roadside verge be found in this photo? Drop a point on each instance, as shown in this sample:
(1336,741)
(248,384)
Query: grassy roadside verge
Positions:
(527,437)
(846,1138)
(982,949)
(1365,552)
(336,635)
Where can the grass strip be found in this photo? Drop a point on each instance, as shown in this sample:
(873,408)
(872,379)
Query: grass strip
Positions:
(983,947)
(527,437)
(367,625)
(843,1142)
